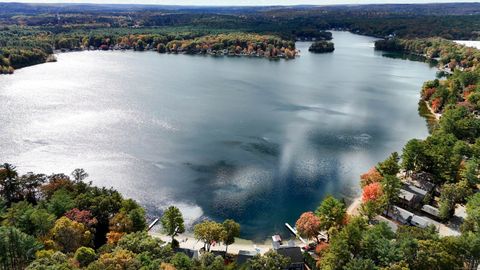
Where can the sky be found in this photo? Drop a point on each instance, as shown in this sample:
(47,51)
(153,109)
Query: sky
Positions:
(238,2)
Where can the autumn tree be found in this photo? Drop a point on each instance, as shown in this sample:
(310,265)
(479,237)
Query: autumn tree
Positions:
(372,192)
(69,235)
(118,259)
(121,223)
(372,176)
(82,216)
(209,232)
(308,225)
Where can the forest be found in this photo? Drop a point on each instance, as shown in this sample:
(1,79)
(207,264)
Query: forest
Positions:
(31,32)
(448,159)
(321,47)
(62,222)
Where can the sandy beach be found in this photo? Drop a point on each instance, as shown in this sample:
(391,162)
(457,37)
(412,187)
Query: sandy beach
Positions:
(188,241)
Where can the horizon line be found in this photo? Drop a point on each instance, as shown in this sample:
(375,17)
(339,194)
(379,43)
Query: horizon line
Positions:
(222,5)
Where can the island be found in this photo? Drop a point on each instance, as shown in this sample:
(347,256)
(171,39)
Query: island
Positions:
(321,47)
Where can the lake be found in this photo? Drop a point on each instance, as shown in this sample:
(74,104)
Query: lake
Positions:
(252,139)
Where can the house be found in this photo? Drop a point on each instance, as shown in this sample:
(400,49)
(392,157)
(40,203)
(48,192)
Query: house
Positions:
(423,222)
(399,214)
(221,253)
(420,192)
(243,256)
(189,252)
(409,198)
(432,211)
(393,226)
(423,180)
(295,255)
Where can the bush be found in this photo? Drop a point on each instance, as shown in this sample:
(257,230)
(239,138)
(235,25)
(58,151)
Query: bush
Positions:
(85,255)
(181,261)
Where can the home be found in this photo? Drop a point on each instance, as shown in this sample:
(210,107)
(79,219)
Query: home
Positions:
(295,255)
(423,222)
(408,198)
(430,210)
(393,226)
(189,252)
(243,256)
(399,214)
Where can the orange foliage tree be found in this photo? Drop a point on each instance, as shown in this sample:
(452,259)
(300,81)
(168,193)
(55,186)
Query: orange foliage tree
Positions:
(308,225)
(372,176)
(372,192)
(436,104)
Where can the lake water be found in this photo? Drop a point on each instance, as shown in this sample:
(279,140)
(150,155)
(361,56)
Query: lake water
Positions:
(251,139)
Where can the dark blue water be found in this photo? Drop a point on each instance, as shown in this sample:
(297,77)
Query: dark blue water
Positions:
(255,140)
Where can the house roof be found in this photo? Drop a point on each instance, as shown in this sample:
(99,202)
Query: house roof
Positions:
(416,190)
(400,212)
(390,223)
(406,195)
(244,256)
(423,222)
(431,210)
(294,253)
(189,252)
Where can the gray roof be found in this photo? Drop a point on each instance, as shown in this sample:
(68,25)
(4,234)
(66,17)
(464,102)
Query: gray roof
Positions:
(406,195)
(416,190)
(294,253)
(431,210)
(244,256)
(400,214)
(423,222)
(390,223)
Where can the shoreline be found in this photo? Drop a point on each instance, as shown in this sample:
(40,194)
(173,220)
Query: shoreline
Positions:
(433,113)
(187,240)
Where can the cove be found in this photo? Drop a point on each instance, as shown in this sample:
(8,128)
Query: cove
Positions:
(251,139)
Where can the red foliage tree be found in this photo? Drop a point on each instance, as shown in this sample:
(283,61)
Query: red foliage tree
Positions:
(82,216)
(372,176)
(436,104)
(468,90)
(321,247)
(428,92)
(308,225)
(372,192)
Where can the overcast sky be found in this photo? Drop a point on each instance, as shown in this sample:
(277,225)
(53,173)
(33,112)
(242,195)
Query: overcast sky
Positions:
(238,2)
